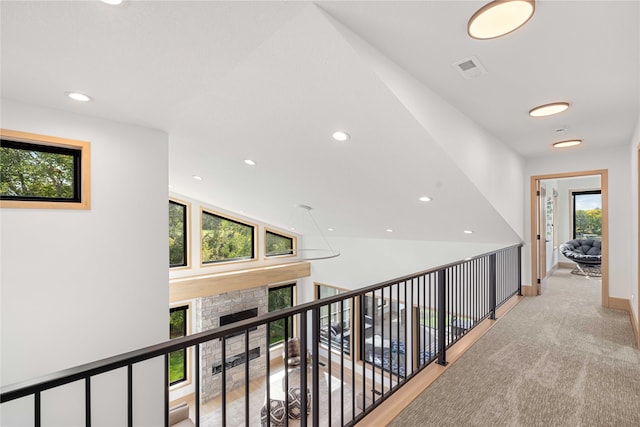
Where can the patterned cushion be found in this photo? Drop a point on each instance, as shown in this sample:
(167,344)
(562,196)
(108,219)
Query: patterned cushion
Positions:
(295,403)
(277,412)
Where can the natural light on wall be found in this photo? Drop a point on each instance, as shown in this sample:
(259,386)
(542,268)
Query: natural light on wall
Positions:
(500,17)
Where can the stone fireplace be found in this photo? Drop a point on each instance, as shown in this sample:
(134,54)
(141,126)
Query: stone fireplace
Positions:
(236,304)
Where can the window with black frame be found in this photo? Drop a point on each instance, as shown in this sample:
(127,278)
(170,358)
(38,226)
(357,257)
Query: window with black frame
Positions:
(281,297)
(335,320)
(587,214)
(278,244)
(384,333)
(178,358)
(226,239)
(39,173)
(178,234)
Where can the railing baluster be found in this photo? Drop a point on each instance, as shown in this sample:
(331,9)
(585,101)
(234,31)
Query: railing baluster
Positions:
(246,375)
(37,422)
(268,374)
(223,380)
(197,384)
(315,384)
(166,389)
(442,307)
(492,286)
(130,395)
(330,345)
(87,402)
(303,368)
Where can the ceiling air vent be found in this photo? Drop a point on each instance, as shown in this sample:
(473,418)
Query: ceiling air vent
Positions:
(470,68)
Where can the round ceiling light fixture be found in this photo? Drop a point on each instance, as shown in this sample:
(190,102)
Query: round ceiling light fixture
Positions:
(250,162)
(500,17)
(341,136)
(548,109)
(567,143)
(77,96)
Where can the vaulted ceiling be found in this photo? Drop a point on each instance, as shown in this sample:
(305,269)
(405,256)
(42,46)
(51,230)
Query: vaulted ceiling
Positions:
(270,81)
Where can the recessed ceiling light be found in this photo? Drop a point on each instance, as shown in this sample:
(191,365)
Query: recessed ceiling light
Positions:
(341,136)
(425,199)
(468,231)
(548,109)
(250,162)
(112,2)
(389,230)
(330,229)
(197,177)
(77,96)
(500,17)
(567,143)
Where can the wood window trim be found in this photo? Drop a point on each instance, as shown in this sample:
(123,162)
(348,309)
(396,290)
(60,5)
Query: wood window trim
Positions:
(232,218)
(188,236)
(294,243)
(85,170)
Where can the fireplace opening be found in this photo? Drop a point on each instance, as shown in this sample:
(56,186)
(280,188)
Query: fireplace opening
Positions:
(236,360)
(238,316)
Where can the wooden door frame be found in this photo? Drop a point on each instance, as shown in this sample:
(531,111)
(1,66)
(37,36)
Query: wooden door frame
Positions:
(604,188)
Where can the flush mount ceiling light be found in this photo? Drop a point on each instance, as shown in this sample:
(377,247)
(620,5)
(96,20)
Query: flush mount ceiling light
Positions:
(548,109)
(341,136)
(250,162)
(567,143)
(500,17)
(77,96)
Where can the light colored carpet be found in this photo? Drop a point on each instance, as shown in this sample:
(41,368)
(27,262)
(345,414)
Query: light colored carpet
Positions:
(559,359)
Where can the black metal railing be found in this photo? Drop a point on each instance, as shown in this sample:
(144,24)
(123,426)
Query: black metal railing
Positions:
(369,343)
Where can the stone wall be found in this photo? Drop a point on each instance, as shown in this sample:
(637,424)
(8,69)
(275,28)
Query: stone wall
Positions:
(210,310)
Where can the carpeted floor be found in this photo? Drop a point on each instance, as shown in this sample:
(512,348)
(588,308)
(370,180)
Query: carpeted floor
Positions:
(558,359)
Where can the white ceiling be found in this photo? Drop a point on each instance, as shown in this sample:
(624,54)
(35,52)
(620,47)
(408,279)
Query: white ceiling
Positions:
(271,80)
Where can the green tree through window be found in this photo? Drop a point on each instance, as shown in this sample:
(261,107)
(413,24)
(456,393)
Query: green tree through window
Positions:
(224,239)
(178,359)
(177,234)
(277,244)
(39,172)
(279,298)
(587,214)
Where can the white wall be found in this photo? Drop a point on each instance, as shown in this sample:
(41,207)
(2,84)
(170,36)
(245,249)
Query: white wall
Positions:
(634,146)
(616,161)
(82,285)
(364,262)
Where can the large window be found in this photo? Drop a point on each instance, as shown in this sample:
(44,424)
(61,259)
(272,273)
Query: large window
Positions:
(335,320)
(587,214)
(178,359)
(281,297)
(225,239)
(43,172)
(278,244)
(178,234)
(383,328)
